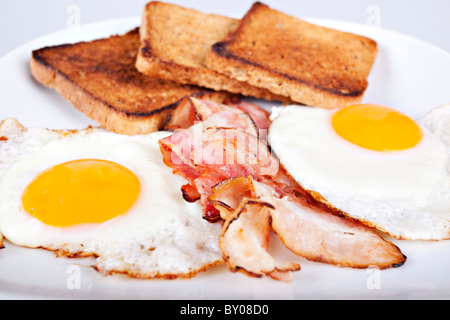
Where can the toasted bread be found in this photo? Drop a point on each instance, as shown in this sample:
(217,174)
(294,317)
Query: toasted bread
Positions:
(311,64)
(100,79)
(175,41)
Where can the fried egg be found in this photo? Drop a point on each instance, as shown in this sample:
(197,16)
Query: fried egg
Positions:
(373,163)
(96,193)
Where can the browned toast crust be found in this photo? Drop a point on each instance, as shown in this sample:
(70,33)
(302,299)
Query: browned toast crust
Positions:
(175,41)
(100,79)
(311,64)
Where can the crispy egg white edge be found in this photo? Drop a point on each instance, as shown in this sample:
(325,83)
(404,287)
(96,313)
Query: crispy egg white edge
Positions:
(178,240)
(419,211)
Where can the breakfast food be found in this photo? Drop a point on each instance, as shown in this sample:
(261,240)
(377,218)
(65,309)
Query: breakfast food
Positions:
(310,64)
(100,79)
(249,231)
(175,42)
(218,154)
(211,185)
(303,227)
(96,193)
(201,150)
(372,163)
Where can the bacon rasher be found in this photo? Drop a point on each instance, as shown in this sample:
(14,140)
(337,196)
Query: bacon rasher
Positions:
(213,142)
(305,229)
(222,153)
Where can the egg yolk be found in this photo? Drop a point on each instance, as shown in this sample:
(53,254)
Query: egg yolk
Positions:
(376,127)
(81,191)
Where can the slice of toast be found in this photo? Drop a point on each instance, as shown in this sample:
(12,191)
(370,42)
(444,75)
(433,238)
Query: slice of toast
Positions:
(175,41)
(100,79)
(313,65)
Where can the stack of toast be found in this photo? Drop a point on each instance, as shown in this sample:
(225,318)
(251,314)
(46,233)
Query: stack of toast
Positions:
(128,83)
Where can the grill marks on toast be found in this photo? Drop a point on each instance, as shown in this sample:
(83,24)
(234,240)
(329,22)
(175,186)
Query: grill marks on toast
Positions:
(100,79)
(311,64)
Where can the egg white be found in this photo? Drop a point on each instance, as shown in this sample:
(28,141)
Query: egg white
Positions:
(160,236)
(404,193)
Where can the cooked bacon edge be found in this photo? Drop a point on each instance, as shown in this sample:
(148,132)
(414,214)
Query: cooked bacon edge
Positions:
(245,239)
(231,170)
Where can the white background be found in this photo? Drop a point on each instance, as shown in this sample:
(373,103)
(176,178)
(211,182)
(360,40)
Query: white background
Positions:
(25,20)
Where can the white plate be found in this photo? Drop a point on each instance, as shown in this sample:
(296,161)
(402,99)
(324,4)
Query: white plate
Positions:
(408,74)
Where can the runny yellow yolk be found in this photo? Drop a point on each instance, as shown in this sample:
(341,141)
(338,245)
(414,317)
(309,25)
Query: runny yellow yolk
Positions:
(81,191)
(377,127)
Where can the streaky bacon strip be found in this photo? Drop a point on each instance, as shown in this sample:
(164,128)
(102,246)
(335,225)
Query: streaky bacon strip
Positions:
(199,152)
(200,179)
(224,154)
(225,145)
(190,111)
